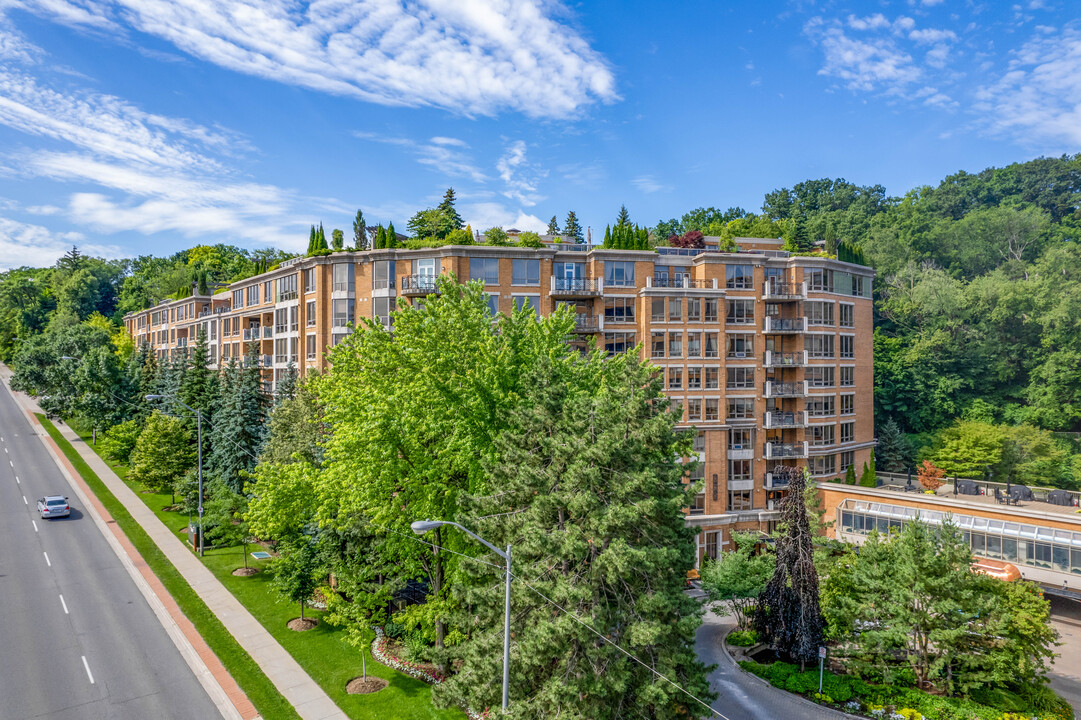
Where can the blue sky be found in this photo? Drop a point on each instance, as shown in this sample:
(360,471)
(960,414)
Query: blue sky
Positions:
(146,126)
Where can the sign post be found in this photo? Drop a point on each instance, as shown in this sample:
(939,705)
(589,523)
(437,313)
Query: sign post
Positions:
(821,667)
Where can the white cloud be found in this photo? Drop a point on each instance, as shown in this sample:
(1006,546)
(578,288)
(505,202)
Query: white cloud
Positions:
(468,56)
(876,64)
(649,184)
(873,22)
(37,246)
(485,215)
(930,36)
(1037,102)
(521,176)
(439,153)
(14,47)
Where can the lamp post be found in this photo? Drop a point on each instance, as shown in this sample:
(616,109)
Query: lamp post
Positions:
(199,426)
(422,526)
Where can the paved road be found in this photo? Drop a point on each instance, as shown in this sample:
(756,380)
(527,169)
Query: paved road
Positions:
(77,639)
(1066,673)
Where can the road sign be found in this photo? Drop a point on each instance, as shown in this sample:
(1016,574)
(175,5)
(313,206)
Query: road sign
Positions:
(822,652)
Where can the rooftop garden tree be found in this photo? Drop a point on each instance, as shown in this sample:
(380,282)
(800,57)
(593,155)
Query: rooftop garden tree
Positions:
(553,226)
(571,228)
(360,231)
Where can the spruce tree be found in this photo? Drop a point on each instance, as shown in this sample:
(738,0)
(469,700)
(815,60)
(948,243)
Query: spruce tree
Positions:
(149,382)
(624,217)
(587,493)
(287,386)
(450,219)
(199,388)
(172,378)
(788,615)
(240,424)
(360,231)
(553,226)
(893,448)
(572,229)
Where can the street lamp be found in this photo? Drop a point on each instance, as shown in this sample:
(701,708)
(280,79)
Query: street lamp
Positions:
(199,425)
(422,526)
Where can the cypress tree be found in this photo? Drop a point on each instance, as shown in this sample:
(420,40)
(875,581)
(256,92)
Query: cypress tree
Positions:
(311,241)
(380,238)
(607,237)
(392,237)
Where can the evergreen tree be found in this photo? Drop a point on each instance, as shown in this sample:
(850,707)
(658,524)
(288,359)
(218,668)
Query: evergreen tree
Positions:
(338,241)
(587,493)
(311,241)
(893,448)
(380,238)
(287,385)
(572,229)
(199,388)
(553,226)
(392,237)
(624,217)
(172,379)
(240,423)
(203,288)
(869,478)
(788,614)
(360,232)
(607,237)
(801,236)
(850,475)
(642,236)
(449,217)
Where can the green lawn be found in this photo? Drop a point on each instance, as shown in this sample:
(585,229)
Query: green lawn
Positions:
(322,652)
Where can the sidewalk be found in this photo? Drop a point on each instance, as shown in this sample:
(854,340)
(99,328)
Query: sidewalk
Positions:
(309,700)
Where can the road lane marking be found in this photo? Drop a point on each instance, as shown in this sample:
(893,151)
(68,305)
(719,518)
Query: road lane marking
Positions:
(24,500)
(87,666)
(11,463)
(65,605)
(47,559)
(35,525)
(18,481)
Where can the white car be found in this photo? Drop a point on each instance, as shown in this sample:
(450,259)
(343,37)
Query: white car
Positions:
(52,506)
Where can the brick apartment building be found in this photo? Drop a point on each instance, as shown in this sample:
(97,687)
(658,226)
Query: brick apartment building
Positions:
(769,355)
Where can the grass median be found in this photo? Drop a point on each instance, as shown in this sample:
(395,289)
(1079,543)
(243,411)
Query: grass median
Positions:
(322,651)
(262,693)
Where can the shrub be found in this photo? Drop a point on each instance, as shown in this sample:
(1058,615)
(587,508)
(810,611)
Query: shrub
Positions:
(118,442)
(530,240)
(743,638)
(393,630)
(804,683)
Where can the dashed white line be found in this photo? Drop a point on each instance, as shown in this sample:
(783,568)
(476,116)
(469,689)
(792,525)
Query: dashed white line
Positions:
(65,605)
(35,525)
(11,463)
(18,481)
(24,500)
(47,559)
(87,666)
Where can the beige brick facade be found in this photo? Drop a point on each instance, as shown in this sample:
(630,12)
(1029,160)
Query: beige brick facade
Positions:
(769,355)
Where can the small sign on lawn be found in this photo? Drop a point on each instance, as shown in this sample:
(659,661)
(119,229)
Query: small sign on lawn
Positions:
(260,555)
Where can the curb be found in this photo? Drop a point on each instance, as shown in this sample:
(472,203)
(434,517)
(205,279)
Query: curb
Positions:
(794,696)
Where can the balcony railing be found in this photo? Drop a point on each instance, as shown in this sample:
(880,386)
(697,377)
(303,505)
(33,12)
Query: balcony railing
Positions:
(788,359)
(425,285)
(311,357)
(266,360)
(586,324)
(383,284)
(778,419)
(288,295)
(268,331)
(576,287)
(341,321)
(777,480)
(784,291)
(251,333)
(785,325)
(281,328)
(788,389)
(339,287)
(785,450)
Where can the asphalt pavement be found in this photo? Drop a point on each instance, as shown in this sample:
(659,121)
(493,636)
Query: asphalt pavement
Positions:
(77,639)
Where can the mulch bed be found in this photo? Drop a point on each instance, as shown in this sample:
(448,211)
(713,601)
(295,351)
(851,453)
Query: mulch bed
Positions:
(245,572)
(301,625)
(397,650)
(365,686)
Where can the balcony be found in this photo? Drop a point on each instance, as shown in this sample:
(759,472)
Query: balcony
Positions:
(287,295)
(268,332)
(419,285)
(337,287)
(281,329)
(266,360)
(775,450)
(683,283)
(586,324)
(778,291)
(785,389)
(783,360)
(785,420)
(576,287)
(777,481)
(777,325)
(251,333)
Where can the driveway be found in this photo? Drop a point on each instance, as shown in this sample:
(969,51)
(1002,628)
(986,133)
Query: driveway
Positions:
(1066,673)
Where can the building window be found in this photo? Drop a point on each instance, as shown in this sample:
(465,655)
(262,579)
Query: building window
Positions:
(858,285)
(739,500)
(694,344)
(712,409)
(818,346)
(848,376)
(675,309)
(711,543)
(675,378)
(820,376)
(310,313)
(493,304)
(383,275)
(820,280)
(694,309)
(739,345)
(567,272)
(694,410)
(848,432)
(699,445)
(740,408)
(740,312)
(824,465)
(238,299)
(268,291)
(525,272)
(656,344)
(712,378)
(711,345)
(848,459)
(675,344)
(694,378)
(822,434)
(739,277)
(618,274)
(309,342)
(309,278)
(484,269)
(343,312)
(821,405)
(739,470)
(287,288)
(819,313)
(848,404)
(381,309)
(532,301)
(848,346)
(739,378)
(619,310)
(618,342)
(656,310)
(848,315)
(739,439)
(698,506)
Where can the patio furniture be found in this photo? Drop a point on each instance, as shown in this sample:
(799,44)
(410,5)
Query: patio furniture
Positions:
(967,487)
(1060,497)
(1020,492)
